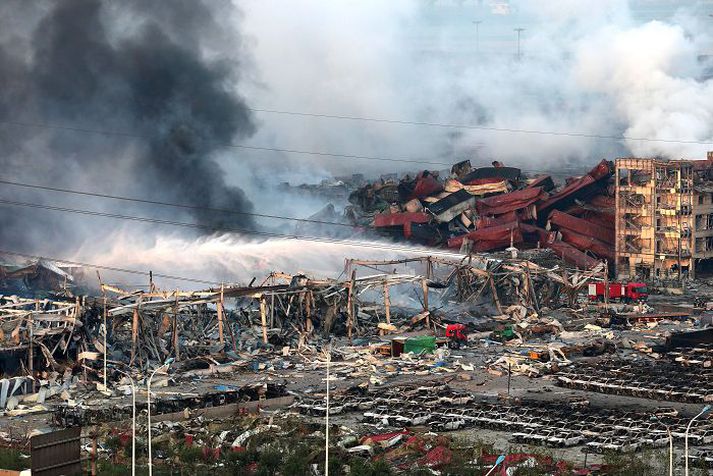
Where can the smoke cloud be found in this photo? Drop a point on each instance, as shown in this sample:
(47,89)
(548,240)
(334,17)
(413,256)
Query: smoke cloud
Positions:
(613,67)
(181,78)
(152,71)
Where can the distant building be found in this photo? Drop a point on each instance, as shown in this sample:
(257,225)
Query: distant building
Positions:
(664,218)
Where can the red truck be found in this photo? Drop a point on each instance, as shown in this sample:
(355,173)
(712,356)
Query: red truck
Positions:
(619,291)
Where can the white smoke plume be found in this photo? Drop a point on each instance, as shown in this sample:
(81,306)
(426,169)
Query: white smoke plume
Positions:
(611,68)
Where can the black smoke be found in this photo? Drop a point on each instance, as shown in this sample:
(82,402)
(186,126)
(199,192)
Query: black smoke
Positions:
(160,74)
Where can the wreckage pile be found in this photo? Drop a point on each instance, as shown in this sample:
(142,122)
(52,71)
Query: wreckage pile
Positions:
(493,208)
(381,323)
(48,345)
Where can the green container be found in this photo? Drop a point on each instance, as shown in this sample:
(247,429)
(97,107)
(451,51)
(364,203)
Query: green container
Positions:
(420,345)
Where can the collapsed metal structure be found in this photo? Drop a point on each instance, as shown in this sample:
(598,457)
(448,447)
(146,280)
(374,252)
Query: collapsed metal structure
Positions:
(141,328)
(492,208)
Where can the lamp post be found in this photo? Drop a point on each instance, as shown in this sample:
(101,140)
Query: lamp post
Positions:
(326,430)
(105,347)
(705,410)
(148,406)
(133,421)
(519,31)
(477,34)
(670,445)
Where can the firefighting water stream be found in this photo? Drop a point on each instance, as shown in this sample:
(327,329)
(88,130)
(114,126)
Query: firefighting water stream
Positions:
(236,259)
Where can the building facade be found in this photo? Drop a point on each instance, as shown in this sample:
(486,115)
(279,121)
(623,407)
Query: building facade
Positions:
(657,212)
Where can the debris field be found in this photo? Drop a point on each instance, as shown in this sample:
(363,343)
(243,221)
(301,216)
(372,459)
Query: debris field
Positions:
(523,337)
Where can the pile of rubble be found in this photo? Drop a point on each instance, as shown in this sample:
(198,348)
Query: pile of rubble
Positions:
(493,208)
(382,324)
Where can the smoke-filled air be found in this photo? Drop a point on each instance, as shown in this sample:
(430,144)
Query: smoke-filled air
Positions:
(167,101)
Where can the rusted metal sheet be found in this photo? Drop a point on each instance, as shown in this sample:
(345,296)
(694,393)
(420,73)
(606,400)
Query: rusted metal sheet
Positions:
(577,188)
(491,238)
(584,243)
(563,220)
(488,221)
(57,453)
(508,202)
(399,219)
(424,185)
(605,220)
(603,202)
(572,255)
(543,181)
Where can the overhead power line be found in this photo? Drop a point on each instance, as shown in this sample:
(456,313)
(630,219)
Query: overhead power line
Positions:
(446,125)
(480,127)
(167,204)
(357,156)
(231,145)
(109,268)
(247,231)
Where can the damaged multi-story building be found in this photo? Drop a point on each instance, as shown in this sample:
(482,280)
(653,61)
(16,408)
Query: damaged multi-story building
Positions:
(664,218)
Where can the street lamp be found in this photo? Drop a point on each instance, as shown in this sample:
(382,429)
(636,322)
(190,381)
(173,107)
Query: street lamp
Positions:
(477,34)
(670,445)
(519,31)
(148,406)
(133,421)
(326,429)
(705,410)
(105,347)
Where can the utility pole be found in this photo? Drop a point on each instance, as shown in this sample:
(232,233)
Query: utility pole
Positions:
(519,53)
(477,34)
(326,416)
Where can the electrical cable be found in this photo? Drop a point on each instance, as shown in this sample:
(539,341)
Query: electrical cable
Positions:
(108,268)
(167,204)
(297,151)
(478,127)
(357,244)
(231,145)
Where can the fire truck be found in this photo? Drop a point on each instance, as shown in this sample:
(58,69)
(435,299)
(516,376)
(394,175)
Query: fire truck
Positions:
(630,292)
